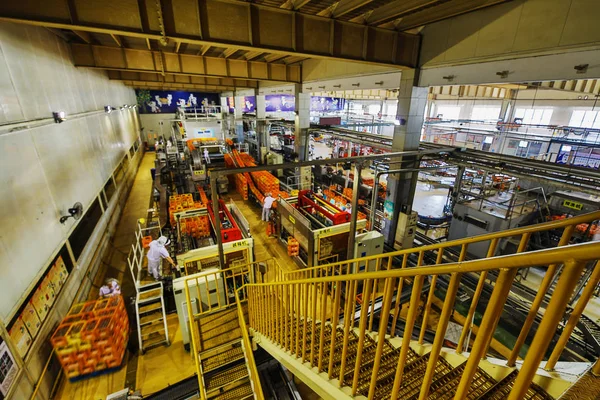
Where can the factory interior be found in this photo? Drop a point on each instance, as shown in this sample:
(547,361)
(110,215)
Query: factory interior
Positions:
(300,199)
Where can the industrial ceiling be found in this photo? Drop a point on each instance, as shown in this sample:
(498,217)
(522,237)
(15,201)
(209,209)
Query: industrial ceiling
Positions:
(226,44)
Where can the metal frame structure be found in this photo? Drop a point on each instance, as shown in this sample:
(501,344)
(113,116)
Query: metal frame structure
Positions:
(216,173)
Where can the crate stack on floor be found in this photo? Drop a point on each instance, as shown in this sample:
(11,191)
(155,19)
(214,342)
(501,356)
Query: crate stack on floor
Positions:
(92,338)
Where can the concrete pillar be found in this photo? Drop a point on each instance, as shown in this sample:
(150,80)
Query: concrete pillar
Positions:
(302,121)
(412,101)
(239,105)
(260,106)
(507,113)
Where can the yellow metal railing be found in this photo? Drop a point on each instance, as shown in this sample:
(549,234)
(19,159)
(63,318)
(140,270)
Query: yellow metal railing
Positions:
(288,306)
(286,311)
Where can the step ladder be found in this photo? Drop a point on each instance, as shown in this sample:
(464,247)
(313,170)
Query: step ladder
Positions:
(151,316)
(149,302)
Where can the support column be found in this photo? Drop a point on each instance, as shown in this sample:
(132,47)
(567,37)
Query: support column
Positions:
(507,113)
(412,101)
(260,106)
(302,123)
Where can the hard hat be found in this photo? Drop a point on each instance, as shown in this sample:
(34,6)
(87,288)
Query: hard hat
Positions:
(163,241)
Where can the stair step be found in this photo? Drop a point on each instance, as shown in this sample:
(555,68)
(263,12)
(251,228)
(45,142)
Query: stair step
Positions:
(226,379)
(222,356)
(150,295)
(150,329)
(502,389)
(153,341)
(238,393)
(150,319)
(444,387)
(411,379)
(147,308)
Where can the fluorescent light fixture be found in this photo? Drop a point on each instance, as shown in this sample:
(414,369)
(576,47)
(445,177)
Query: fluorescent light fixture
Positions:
(59,116)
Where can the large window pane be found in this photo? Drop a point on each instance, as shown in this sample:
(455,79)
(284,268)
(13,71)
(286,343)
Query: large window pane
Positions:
(448,112)
(576,118)
(485,113)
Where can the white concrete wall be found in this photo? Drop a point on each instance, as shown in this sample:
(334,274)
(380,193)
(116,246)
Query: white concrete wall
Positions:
(153,128)
(46,169)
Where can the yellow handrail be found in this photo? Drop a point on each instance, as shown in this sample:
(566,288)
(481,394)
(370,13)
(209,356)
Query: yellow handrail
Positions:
(574,257)
(253,371)
(583,251)
(285,307)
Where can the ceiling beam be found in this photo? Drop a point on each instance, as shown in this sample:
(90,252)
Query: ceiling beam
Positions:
(444,11)
(153,79)
(394,10)
(204,50)
(228,53)
(83,35)
(345,6)
(177,86)
(253,55)
(294,4)
(117,40)
(60,34)
(274,57)
(288,32)
(132,60)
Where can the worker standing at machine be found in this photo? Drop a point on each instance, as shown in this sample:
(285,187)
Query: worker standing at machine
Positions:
(267,204)
(157,251)
(206,156)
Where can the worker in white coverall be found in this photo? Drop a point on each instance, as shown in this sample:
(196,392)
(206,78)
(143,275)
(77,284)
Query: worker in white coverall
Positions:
(267,204)
(206,156)
(156,252)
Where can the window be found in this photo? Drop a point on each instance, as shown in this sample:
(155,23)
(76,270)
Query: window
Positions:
(534,116)
(374,109)
(448,112)
(585,119)
(84,228)
(485,113)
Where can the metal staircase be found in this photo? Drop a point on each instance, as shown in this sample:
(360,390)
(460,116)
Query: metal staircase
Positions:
(306,320)
(151,318)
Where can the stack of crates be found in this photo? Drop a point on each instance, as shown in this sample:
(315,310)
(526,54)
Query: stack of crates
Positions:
(92,338)
(241,184)
(182,202)
(293,247)
(197,227)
